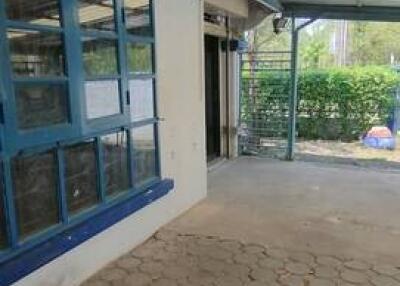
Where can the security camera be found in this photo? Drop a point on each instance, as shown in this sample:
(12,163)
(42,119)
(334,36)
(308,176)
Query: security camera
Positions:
(280,23)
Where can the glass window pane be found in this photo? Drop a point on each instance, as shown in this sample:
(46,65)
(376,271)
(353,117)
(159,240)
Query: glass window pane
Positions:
(100,56)
(3,233)
(35,190)
(81,177)
(97,14)
(41,105)
(138,17)
(144,154)
(36,53)
(42,12)
(115,148)
(140,58)
(142,99)
(102,98)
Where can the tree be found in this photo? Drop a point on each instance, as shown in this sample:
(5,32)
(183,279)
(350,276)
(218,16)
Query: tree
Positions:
(368,43)
(374,43)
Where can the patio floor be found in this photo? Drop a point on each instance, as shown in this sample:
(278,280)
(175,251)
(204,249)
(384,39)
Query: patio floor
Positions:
(269,222)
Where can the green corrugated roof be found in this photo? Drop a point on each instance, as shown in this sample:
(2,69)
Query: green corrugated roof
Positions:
(371,10)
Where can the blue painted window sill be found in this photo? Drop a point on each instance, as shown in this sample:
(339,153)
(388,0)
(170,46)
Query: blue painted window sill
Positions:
(31,259)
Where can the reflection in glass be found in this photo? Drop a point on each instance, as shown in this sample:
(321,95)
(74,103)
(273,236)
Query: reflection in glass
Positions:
(36,53)
(99,56)
(81,177)
(97,14)
(102,98)
(40,12)
(144,155)
(140,58)
(41,105)
(3,233)
(138,17)
(115,148)
(142,99)
(35,192)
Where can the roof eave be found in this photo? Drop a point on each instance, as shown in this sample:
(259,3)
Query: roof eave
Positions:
(274,5)
(342,12)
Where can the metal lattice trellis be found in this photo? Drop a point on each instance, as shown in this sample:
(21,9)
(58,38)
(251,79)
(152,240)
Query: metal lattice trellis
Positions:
(264,109)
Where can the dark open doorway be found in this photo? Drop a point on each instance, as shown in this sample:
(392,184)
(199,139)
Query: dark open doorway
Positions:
(212,91)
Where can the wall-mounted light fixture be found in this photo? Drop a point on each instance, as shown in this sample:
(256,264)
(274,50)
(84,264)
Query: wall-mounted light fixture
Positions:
(280,23)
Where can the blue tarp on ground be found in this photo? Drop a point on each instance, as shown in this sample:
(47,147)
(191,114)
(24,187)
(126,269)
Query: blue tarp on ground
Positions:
(380,143)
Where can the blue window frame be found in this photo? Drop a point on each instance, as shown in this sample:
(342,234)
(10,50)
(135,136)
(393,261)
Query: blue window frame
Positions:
(36,71)
(3,230)
(78,123)
(101,61)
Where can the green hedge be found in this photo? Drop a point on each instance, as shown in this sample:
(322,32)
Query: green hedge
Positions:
(344,103)
(336,104)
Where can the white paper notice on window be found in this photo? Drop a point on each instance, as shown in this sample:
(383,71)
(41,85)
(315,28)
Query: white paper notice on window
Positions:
(142,99)
(102,98)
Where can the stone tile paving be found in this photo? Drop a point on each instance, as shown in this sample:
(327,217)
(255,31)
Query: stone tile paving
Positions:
(172,259)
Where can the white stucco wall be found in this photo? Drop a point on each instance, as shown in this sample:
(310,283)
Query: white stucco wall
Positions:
(179,37)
